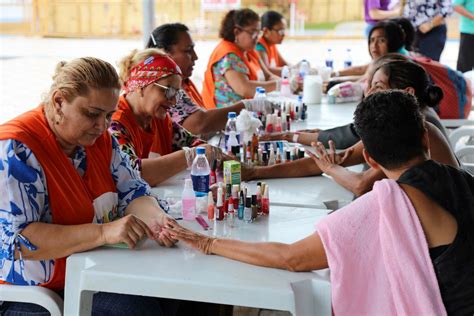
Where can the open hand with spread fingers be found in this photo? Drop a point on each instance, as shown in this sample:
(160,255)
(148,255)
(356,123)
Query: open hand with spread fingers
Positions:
(326,160)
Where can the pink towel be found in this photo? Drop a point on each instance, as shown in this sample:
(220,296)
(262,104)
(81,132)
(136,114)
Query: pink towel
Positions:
(378,257)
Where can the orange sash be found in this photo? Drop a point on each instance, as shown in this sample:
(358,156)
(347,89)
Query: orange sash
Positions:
(272,53)
(158,140)
(71,196)
(224,48)
(192,92)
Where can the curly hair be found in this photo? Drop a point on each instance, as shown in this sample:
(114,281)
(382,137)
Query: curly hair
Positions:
(391,127)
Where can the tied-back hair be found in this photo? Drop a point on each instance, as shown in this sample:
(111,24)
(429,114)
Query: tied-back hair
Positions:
(408,29)
(391,127)
(236,18)
(406,73)
(270,19)
(166,35)
(77,77)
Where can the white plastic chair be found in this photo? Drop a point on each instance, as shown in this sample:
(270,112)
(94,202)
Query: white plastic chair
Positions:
(33,294)
(462,141)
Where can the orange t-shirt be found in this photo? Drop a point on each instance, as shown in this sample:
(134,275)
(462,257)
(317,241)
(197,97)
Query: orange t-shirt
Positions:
(73,199)
(159,139)
(224,48)
(272,53)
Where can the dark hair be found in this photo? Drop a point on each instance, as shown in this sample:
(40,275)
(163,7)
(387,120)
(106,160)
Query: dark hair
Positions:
(408,29)
(233,18)
(394,34)
(166,35)
(270,18)
(406,73)
(391,127)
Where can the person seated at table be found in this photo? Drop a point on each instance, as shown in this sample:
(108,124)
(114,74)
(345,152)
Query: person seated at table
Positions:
(404,75)
(190,112)
(401,73)
(385,37)
(66,187)
(415,228)
(273,32)
(234,69)
(141,124)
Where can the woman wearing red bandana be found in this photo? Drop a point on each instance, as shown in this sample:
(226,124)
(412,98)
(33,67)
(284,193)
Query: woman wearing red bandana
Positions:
(142,125)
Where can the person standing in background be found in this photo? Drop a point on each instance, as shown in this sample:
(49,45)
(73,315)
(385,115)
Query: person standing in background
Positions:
(465,57)
(428,17)
(378,10)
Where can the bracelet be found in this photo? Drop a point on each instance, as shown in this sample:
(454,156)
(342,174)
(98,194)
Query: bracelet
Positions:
(295,137)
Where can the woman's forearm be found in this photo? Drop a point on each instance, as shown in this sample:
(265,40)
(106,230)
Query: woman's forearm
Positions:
(356,182)
(299,168)
(210,121)
(304,255)
(57,241)
(157,170)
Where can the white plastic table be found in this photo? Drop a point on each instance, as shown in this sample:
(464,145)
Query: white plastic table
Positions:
(311,192)
(325,116)
(183,273)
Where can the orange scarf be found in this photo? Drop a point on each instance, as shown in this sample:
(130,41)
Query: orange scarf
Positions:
(158,140)
(224,48)
(192,92)
(272,53)
(71,196)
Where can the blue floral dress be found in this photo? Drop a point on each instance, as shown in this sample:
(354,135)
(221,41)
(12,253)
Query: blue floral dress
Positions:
(24,200)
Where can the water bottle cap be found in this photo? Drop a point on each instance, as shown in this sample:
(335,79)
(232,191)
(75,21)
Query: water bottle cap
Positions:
(200,150)
(231,115)
(262,90)
(300,98)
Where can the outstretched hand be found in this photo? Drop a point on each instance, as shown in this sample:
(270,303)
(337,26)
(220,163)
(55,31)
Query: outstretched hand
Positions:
(159,233)
(197,241)
(326,160)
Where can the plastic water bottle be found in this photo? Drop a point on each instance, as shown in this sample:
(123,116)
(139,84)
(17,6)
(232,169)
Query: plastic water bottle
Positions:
(188,200)
(200,172)
(348,60)
(285,82)
(329,59)
(231,125)
(232,142)
(304,69)
(257,92)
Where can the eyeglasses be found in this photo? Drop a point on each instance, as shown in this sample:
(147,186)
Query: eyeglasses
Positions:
(254,34)
(280,32)
(170,92)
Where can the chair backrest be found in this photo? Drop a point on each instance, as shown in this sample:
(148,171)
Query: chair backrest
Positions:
(33,294)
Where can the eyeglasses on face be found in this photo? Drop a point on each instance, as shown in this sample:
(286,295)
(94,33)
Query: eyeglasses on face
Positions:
(170,92)
(280,32)
(253,33)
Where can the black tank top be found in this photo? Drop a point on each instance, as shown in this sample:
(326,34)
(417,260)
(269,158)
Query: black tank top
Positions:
(453,190)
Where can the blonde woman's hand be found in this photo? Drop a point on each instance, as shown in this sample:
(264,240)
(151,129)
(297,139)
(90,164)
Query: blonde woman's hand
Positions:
(128,229)
(195,240)
(159,233)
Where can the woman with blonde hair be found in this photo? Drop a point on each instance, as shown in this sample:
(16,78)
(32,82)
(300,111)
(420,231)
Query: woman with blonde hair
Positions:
(144,130)
(66,187)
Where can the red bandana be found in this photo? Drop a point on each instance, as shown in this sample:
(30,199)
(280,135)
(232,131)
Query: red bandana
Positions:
(150,70)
